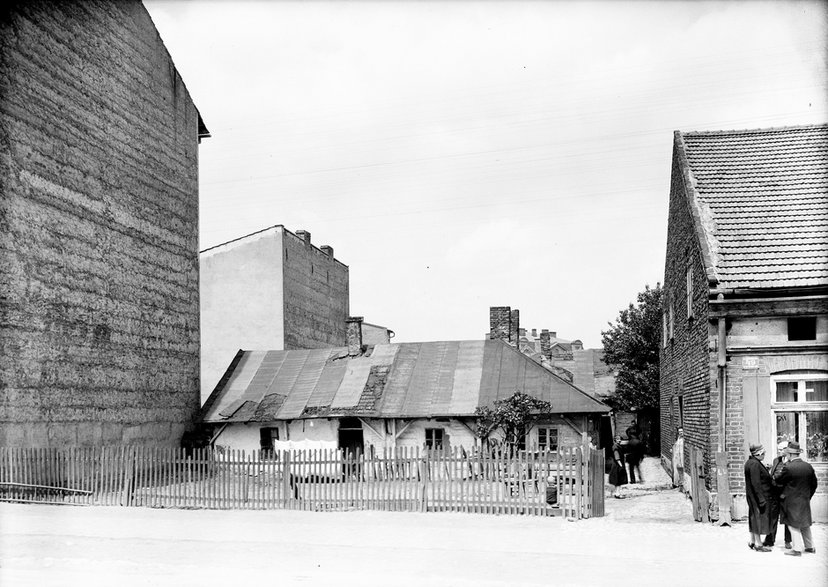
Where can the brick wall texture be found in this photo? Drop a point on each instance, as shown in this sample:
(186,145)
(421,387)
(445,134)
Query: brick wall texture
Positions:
(315,296)
(688,366)
(99,325)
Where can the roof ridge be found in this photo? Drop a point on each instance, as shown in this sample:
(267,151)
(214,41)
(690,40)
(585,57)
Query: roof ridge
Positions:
(823,125)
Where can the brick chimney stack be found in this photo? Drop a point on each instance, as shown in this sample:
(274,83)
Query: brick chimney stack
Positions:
(354,334)
(500,323)
(515,327)
(328,250)
(305,236)
(545,343)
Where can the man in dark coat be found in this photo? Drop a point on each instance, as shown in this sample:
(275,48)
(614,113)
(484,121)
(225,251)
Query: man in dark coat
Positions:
(775,505)
(799,483)
(635,454)
(757,490)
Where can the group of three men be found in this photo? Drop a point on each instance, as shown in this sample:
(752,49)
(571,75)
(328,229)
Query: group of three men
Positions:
(782,493)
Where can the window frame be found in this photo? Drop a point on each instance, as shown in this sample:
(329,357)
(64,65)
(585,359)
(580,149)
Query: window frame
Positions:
(430,443)
(690,314)
(800,406)
(547,428)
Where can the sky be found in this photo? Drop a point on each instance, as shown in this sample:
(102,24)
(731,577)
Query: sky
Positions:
(465,154)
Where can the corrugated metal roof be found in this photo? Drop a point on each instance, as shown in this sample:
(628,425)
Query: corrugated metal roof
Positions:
(765,195)
(410,380)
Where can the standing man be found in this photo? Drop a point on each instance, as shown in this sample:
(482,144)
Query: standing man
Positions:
(775,504)
(798,482)
(757,491)
(678,460)
(635,454)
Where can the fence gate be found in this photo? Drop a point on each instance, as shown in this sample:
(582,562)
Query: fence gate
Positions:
(569,482)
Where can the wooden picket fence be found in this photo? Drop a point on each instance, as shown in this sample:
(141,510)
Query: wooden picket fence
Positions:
(569,482)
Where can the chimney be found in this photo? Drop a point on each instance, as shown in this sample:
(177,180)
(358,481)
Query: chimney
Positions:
(354,334)
(521,332)
(515,327)
(304,235)
(328,250)
(545,343)
(534,333)
(499,323)
(553,334)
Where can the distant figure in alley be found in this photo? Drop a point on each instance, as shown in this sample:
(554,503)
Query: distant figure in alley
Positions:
(678,459)
(798,482)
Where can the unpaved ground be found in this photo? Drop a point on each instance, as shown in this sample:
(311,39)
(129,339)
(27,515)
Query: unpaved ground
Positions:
(646,539)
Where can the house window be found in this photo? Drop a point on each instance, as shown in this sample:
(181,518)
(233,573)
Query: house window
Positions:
(689,293)
(664,332)
(671,322)
(802,328)
(548,438)
(266,438)
(434,438)
(800,412)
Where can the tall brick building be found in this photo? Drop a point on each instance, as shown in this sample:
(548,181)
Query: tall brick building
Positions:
(99,325)
(274,290)
(745,339)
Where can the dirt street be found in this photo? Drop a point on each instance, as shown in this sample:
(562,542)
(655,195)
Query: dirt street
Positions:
(648,540)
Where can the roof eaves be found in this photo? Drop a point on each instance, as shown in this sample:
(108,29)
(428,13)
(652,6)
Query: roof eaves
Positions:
(703,220)
(214,396)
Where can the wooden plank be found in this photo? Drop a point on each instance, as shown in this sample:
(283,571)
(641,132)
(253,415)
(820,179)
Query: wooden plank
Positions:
(723,488)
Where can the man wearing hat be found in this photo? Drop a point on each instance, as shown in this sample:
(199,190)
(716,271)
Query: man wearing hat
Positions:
(758,486)
(798,482)
(775,506)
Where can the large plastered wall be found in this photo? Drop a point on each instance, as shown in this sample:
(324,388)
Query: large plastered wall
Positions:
(99,335)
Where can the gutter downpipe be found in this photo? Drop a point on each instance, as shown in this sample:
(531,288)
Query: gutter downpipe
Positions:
(722,481)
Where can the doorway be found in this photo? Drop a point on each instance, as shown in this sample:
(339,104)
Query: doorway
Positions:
(350,435)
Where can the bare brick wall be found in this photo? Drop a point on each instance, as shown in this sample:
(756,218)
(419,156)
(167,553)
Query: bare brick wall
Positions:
(99,324)
(315,297)
(686,360)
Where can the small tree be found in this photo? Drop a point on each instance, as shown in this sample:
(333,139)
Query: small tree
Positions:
(631,348)
(514,415)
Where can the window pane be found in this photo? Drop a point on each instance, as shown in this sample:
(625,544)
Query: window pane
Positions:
(541,438)
(787,426)
(816,443)
(786,391)
(816,391)
(553,439)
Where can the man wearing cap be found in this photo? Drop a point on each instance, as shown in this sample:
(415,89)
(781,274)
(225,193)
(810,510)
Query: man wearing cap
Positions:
(799,483)
(775,505)
(757,490)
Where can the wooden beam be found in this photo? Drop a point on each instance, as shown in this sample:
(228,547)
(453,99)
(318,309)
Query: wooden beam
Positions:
(217,434)
(571,424)
(399,432)
(372,429)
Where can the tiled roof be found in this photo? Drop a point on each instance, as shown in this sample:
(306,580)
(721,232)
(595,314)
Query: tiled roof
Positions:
(408,380)
(762,201)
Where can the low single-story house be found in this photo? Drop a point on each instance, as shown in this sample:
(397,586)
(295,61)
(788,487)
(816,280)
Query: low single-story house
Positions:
(387,396)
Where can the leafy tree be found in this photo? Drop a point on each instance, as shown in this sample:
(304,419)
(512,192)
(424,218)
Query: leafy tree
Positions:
(631,348)
(514,415)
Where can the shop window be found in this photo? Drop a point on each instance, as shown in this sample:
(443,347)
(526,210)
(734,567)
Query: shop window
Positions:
(802,328)
(800,412)
(434,438)
(548,438)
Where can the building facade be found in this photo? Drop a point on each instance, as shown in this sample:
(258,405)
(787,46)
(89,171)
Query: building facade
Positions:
(99,323)
(744,354)
(272,289)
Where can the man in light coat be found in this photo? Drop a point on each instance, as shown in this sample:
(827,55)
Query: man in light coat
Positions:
(678,460)
(798,482)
